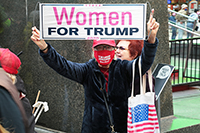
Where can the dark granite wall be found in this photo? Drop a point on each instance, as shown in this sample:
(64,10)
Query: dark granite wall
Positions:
(65,97)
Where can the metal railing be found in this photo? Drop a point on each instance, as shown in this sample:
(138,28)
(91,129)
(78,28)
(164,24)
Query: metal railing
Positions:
(169,10)
(185,56)
(184,28)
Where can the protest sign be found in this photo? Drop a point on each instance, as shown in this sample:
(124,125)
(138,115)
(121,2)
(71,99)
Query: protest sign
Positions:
(92,21)
(161,73)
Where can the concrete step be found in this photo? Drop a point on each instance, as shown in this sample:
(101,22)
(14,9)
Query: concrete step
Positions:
(169,125)
(41,129)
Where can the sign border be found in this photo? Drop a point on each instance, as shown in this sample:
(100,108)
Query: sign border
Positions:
(103,38)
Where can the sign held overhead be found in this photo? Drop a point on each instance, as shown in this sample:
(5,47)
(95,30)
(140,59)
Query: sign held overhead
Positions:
(92,21)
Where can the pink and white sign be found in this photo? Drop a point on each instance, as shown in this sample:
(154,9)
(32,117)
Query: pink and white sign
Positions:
(92,21)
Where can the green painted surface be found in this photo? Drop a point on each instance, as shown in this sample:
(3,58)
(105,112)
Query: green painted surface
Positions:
(193,70)
(183,122)
(187,111)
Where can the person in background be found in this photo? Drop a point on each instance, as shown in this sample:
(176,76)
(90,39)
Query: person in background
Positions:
(190,22)
(181,20)
(172,20)
(25,101)
(12,114)
(26,104)
(115,76)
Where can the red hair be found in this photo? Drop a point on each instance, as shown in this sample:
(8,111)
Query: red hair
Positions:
(135,47)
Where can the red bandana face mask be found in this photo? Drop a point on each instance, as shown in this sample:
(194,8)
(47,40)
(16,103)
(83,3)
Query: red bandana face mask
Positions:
(104,57)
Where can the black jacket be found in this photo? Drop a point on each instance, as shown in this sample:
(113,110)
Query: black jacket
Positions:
(26,104)
(12,114)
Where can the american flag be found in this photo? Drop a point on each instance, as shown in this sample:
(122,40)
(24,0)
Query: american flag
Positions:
(142,119)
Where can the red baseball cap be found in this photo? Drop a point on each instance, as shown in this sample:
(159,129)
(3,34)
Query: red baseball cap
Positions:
(9,61)
(107,42)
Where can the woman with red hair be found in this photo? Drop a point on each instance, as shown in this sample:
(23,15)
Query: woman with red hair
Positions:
(129,49)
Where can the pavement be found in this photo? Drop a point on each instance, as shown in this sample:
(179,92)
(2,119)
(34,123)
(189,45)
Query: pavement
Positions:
(186,107)
(186,118)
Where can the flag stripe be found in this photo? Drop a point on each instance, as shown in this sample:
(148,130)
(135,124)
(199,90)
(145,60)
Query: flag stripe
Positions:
(147,130)
(144,129)
(143,124)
